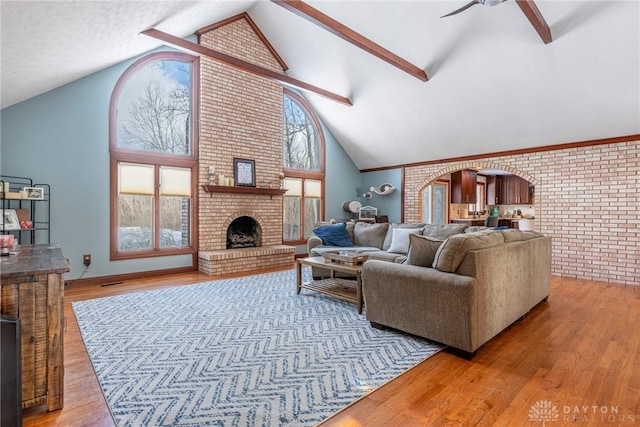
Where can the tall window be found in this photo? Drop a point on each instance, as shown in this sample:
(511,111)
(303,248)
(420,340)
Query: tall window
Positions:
(303,163)
(153,165)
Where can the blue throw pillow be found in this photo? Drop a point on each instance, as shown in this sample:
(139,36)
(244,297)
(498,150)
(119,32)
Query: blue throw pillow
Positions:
(334,235)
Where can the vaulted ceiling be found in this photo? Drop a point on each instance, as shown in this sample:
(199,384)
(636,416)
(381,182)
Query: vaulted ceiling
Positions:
(494,85)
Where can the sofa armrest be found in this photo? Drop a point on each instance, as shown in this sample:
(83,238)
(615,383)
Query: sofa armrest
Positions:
(313,242)
(422,301)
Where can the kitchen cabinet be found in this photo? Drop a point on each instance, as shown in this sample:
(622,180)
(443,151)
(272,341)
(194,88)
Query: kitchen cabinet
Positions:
(463,186)
(517,191)
(492,193)
(513,190)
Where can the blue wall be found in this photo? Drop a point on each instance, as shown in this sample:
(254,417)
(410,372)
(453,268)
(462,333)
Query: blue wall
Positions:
(390,204)
(62,138)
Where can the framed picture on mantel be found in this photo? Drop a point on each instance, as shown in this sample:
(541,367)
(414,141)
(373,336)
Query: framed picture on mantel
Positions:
(244,172)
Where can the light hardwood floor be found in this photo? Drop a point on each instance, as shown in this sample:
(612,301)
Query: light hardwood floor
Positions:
(580,351)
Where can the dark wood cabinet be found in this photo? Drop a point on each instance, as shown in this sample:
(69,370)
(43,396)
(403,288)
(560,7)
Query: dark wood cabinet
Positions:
(463,186)
(514,191)
(492,194)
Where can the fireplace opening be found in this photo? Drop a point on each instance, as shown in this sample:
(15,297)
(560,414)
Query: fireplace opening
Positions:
(244,232)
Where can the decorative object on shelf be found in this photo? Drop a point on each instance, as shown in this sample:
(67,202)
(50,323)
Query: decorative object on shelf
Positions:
(10,220)
(7,241)
(212,175)
(352,206)
(281,179)
(383,190)
(33,193)
(24,201)
(244,172)
(368,213)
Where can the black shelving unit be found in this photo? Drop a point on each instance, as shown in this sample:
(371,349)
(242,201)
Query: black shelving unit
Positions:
(36,211)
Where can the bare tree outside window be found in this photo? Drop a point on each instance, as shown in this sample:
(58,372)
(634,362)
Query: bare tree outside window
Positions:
(302,154)
(154,111)
(301,148)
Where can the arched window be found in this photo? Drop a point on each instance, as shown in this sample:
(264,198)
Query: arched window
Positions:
(303,164)
(153,141)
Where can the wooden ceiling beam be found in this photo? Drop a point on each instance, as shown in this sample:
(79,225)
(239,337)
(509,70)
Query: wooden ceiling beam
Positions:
(334,27)
(534,16)
(196,49)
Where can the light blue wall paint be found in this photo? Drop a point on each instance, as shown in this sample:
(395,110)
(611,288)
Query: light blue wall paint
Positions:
(390,204)
(62,138)
(342,179)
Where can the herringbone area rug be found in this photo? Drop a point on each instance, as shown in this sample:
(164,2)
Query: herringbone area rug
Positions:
(238,352)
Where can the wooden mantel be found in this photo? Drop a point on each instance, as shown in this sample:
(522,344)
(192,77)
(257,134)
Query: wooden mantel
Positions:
(243,190)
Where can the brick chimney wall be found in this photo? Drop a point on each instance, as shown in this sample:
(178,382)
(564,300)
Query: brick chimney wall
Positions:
(240,116)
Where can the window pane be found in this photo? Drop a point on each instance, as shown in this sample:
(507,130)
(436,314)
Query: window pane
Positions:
(311,215)
(292,219)
(154,109)
(312,188)
(135,179)
(135,222)
(293,186)
(175,181)
(301,144)
(174,222)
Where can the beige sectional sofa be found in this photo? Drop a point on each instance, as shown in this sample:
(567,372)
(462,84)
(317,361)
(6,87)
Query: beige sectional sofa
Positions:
(476,285)
(383,241)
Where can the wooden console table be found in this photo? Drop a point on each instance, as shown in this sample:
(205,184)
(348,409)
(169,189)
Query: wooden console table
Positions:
(33,291)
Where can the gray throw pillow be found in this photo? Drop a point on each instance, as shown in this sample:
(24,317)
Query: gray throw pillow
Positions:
(442,231)
(422,250)
(366,234)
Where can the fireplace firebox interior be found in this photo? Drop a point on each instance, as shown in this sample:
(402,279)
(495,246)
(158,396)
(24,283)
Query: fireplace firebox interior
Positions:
(244,232)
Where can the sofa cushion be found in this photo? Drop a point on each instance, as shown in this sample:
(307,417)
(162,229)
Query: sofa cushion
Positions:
(392,226)
(515,235)
(422,250)
(385,256)
(453,250)
(334,235)
(366,234)
(400,239)
(442,231)
(321,250)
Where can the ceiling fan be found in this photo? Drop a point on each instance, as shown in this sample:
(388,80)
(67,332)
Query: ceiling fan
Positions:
(528,7)
(471,3)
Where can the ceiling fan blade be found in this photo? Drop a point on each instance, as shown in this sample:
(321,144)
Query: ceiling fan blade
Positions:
(534,16)
(465,7)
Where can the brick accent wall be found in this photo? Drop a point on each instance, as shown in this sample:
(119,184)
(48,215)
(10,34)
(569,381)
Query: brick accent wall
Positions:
(586,199)
(240,116)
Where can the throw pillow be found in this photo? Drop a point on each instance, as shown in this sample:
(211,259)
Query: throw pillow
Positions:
(387,240)
(422,250)
(334,235)
(372,235)
(400,239)
(442,231)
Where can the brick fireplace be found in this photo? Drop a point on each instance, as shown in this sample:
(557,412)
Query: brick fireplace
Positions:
(240,116)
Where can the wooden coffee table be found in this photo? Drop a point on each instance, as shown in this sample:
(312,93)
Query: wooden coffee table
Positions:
(344,289)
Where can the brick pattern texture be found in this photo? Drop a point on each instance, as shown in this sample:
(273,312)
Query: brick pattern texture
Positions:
(586,199)
(240,117)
